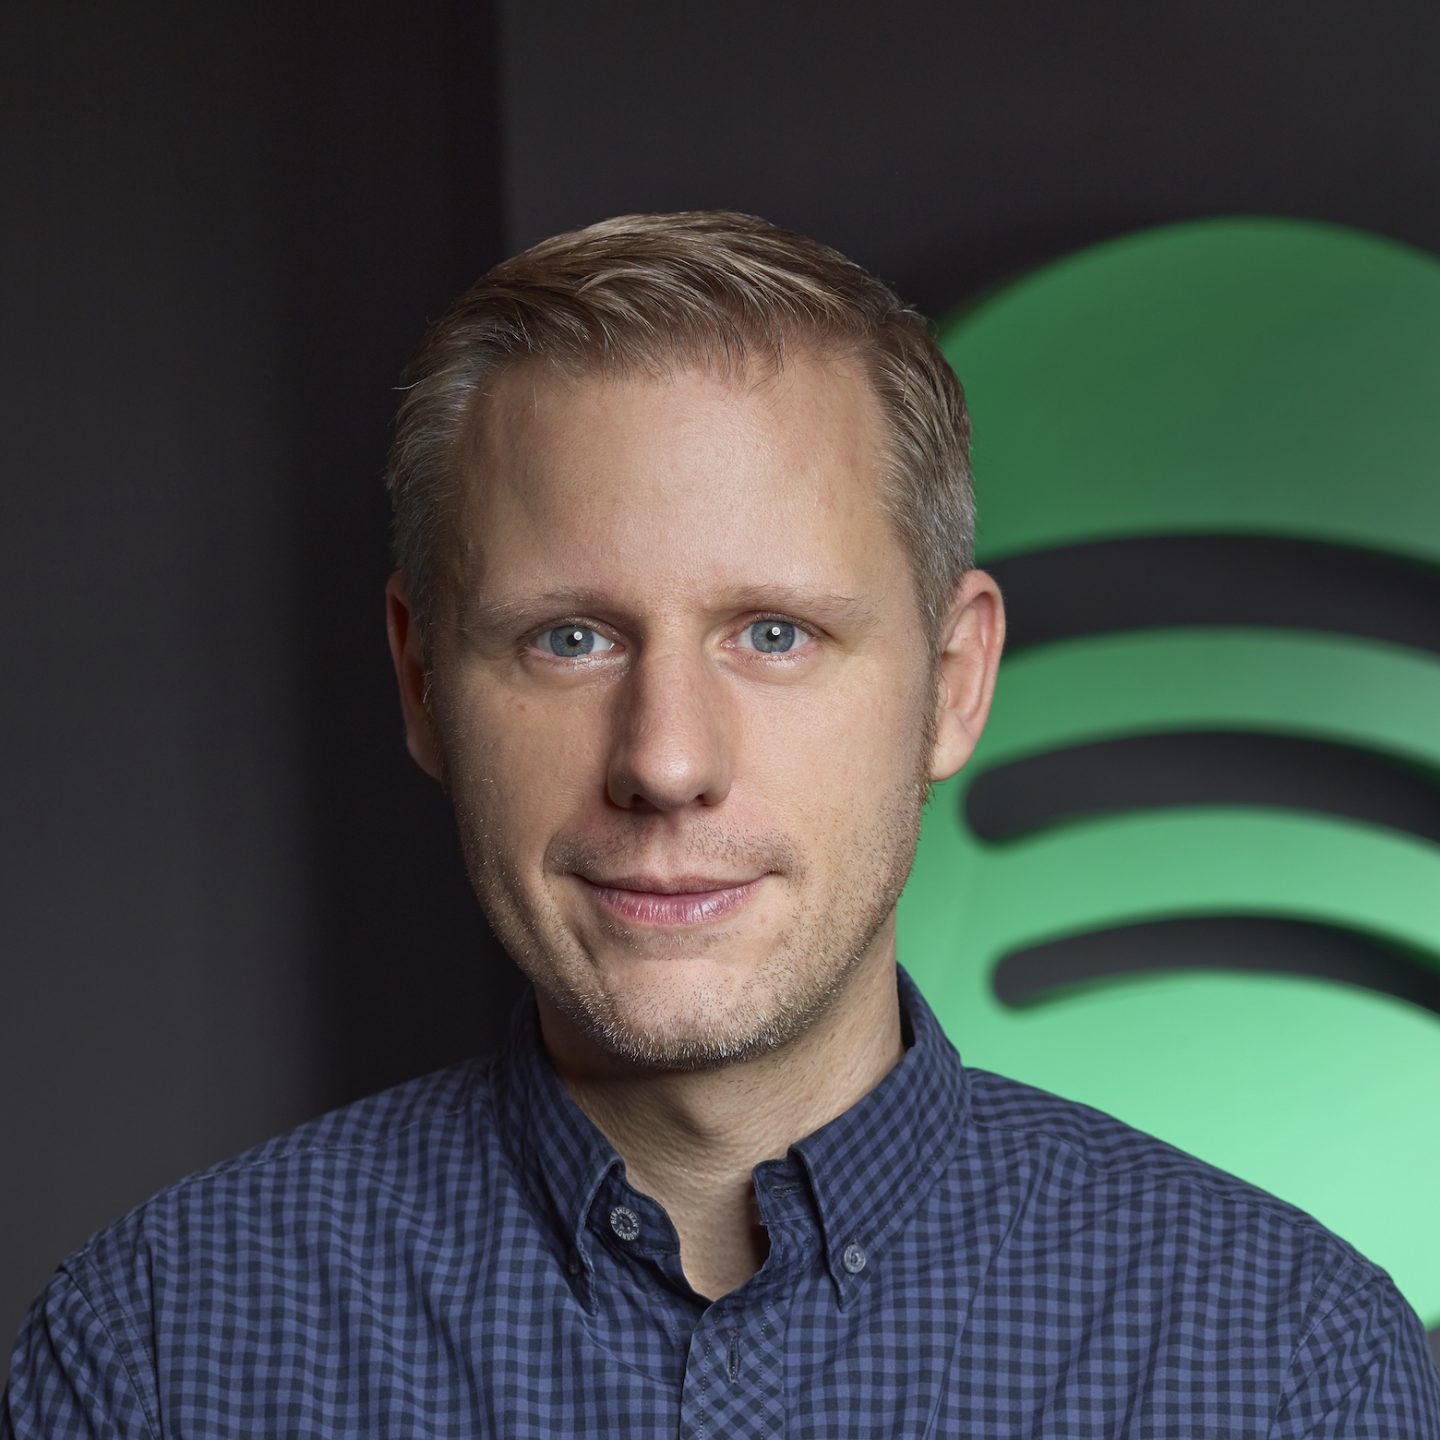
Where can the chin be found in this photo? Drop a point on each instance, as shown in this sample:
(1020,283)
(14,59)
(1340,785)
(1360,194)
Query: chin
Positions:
(693,1016)
(681,1046)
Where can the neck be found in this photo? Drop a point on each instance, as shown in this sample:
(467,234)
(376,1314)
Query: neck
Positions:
(690,1139)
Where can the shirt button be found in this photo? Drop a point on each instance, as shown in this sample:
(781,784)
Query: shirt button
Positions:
(625,1222)
(853,1259)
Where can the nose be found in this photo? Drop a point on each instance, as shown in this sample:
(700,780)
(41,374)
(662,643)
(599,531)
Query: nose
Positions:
(671,744)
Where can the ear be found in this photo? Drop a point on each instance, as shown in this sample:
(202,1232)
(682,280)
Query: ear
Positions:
(411,674)
(974,636)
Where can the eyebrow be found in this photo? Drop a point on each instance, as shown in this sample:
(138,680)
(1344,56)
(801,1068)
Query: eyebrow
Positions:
(487,619)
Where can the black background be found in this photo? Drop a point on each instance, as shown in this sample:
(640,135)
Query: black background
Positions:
(229,901)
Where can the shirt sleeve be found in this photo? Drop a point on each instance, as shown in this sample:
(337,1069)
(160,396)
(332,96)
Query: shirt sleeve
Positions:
(68,1376)
(1363,1372)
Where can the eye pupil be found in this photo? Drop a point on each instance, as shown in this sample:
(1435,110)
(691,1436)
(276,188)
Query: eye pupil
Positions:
(571,640)
(772,636)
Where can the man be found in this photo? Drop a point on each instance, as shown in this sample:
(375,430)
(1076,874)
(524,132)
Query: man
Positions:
(686,624)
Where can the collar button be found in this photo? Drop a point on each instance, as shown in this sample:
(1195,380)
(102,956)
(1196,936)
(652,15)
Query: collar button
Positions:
(853,1258)
(624,1222)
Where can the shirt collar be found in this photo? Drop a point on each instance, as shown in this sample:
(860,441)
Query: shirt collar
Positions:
(868,1168)
(560,1154)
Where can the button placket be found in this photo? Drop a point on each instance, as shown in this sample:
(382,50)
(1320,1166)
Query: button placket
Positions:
(735,1371)
(732,1356)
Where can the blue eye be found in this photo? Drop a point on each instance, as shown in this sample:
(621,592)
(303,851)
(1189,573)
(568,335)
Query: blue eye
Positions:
(571,642)
(773,637)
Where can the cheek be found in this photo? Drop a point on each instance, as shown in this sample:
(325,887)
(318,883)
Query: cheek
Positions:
(837,760)
(516,765)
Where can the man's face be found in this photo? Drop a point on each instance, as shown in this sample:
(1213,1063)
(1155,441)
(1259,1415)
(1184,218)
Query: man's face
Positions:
(682,700)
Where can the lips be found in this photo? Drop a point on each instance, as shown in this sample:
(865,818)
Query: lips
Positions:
(674,900)
(678,885)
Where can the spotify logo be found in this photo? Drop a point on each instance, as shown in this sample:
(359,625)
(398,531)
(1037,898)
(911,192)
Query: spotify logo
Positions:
(1192,875)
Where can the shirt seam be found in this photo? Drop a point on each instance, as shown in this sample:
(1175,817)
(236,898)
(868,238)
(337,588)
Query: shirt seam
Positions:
(152,1422)
(963,1324)
(1372,1282)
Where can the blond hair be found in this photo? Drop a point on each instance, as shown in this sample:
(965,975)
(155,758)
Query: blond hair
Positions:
(707,287)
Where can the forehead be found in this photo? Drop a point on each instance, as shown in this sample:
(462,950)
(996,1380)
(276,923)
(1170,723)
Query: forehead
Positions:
(771,476)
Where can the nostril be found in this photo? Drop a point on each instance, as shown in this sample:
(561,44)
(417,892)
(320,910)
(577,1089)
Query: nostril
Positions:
(672,746)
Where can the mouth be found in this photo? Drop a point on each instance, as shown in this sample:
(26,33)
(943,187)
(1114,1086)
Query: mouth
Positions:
(686,900)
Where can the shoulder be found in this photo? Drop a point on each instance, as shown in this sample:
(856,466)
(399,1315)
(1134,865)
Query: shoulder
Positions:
(1084,1149)
(382,1131)
(1115,1187)
(314,1198)
(250,1255)
(1141,1249)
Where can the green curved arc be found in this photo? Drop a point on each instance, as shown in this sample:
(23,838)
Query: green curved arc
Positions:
(1257,388)
(1071,692)
(1225,861)
(979,901)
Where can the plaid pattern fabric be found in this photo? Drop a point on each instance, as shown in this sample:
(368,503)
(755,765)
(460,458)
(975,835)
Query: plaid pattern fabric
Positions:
(957,1255)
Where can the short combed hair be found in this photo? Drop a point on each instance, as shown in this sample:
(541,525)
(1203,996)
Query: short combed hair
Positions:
(706,287)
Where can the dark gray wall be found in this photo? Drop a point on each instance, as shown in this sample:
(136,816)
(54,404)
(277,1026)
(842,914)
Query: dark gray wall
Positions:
(228,900)
(948,146)
(228,903)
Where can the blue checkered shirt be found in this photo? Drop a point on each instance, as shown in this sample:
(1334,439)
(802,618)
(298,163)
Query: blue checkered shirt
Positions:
(956,1255)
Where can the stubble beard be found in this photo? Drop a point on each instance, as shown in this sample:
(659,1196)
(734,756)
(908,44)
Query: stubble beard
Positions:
(680,1021)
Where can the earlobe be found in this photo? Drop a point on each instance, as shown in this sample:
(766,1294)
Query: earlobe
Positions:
(411,674)
(965,680)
